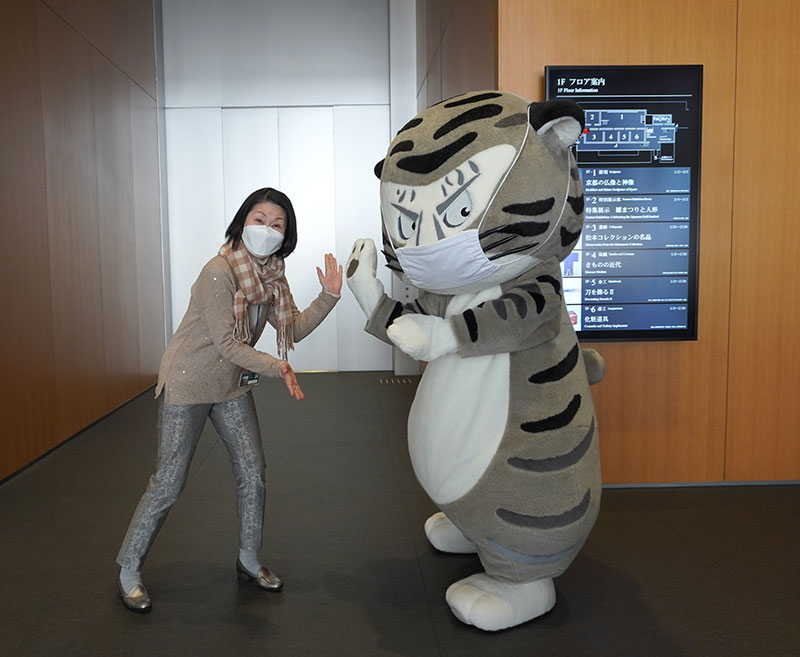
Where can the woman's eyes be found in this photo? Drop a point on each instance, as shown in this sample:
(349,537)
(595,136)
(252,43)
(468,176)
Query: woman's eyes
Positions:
(262,222)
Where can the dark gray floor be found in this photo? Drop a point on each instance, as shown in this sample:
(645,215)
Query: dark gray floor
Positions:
(672,572)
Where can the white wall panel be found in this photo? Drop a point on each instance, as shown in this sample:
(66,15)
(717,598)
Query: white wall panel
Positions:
(196,201)
(361,139)
(250,154)
(307,175)
(293,95)
(267,53)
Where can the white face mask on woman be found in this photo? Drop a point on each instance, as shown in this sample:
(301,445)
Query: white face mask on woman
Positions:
(261,241)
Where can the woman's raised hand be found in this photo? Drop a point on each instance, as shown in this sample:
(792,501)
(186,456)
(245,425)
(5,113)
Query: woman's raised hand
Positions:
(289,378)
(331,280)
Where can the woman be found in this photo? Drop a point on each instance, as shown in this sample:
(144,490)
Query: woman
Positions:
(208,370)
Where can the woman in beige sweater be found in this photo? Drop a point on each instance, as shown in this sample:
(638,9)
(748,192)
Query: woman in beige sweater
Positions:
(209,368)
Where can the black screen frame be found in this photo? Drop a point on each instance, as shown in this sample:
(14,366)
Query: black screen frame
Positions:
(689,79)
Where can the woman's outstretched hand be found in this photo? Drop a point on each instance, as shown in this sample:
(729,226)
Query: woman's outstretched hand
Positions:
(289,378)
(331,280)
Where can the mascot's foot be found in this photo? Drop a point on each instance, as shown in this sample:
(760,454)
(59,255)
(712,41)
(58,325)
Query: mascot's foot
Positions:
(446,537)
(492,605)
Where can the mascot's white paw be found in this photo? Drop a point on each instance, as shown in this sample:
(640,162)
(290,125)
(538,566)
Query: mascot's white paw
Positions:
(492,605)
(423,337)
(595,365)
(446,537)
(362,265)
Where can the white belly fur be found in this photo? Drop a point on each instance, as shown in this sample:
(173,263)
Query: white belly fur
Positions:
(458,416)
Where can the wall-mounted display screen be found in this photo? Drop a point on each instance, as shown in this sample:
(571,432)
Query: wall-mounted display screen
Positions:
(633,274)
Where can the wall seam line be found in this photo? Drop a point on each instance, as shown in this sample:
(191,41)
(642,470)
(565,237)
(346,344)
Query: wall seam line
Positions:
(52,423)
(96,49)
(730,253)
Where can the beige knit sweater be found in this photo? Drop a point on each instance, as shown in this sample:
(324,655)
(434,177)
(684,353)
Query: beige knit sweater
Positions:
(202,363)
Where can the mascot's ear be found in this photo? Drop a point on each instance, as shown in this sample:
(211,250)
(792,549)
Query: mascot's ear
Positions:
(378,169)
(561,118)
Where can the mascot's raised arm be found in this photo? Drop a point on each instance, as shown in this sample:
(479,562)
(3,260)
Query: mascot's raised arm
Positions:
(481,199)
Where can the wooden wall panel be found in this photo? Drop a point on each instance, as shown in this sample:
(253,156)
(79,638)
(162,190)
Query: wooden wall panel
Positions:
(429,54)
(469,47)
(122,30)
(80,203)
(26,344)
(95,21)
(113,146)
(458,44)
(433,87)
(71,174)
(141,45)
(662,406)
(422,44)
(763,413)
(147,216)
(434,27)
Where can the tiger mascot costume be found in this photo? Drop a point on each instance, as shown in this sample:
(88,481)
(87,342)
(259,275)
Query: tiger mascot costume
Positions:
(481,199)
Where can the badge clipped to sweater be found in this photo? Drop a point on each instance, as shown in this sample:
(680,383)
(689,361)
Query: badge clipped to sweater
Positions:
(251,378)
(248,378)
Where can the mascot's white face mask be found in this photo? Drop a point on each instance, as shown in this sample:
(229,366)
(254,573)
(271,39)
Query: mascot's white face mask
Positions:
(447,264)
(261,241)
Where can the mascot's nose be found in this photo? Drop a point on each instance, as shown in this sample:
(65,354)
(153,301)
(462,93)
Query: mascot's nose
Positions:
(436,227)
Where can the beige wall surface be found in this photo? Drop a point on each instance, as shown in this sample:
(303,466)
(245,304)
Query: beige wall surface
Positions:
(763,423)
(456,48)
(717,409)
(80,200)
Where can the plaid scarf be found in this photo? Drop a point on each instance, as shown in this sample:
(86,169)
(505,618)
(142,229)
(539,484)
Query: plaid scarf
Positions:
(259,284)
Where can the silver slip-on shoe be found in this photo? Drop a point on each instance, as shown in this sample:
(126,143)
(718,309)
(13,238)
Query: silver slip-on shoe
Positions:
(137,600)
(264,579)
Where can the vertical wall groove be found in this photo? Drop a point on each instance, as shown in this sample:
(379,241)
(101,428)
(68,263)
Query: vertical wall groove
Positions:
(733,237)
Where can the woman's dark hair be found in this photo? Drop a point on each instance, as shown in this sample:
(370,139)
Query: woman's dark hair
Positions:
(265,195)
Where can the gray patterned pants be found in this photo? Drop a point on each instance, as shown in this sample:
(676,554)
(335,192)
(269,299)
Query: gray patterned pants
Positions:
(179,429)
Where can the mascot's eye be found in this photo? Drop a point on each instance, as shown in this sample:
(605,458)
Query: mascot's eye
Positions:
(458,211)
(406,226)
(406,221)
